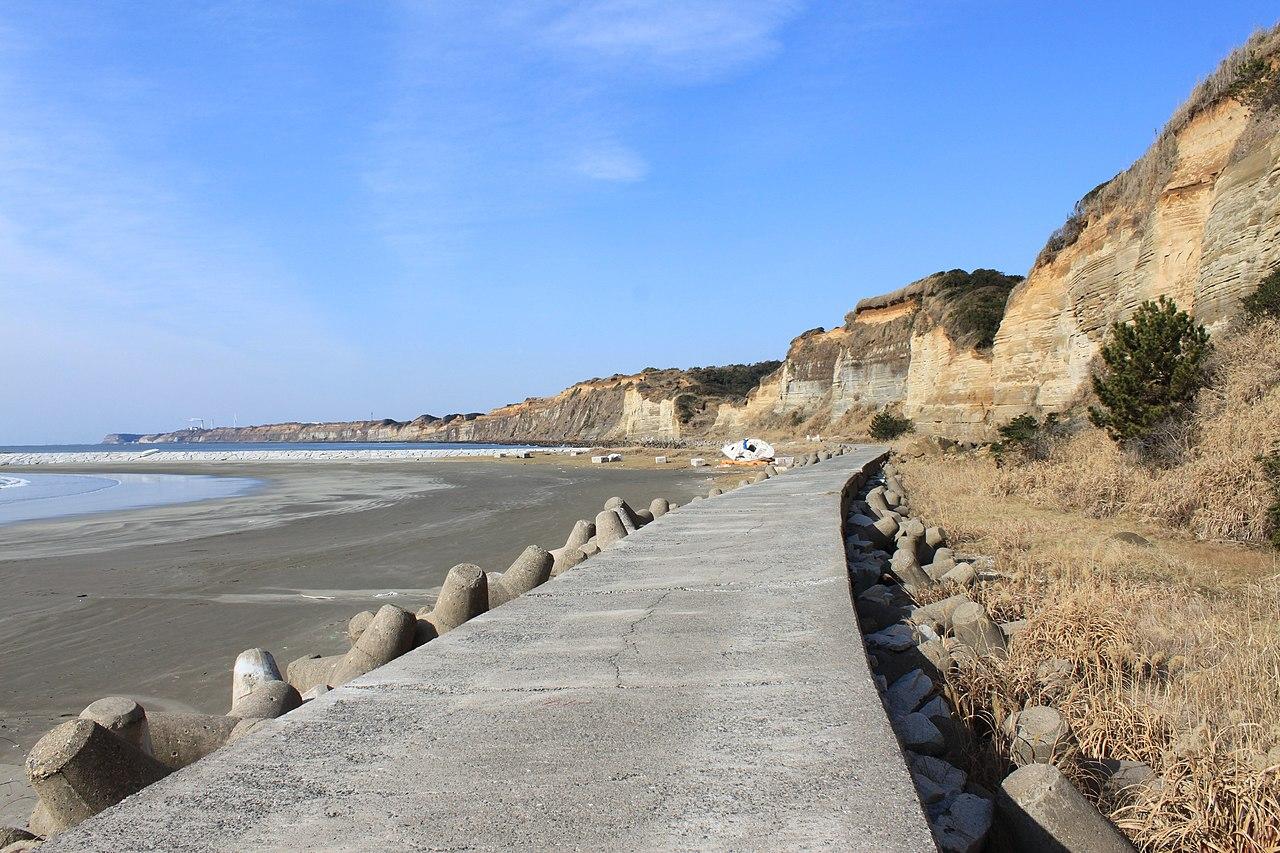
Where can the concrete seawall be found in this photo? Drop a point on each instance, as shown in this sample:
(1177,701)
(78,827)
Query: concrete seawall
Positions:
(699,685)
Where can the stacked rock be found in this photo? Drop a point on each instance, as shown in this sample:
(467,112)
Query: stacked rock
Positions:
(894,557)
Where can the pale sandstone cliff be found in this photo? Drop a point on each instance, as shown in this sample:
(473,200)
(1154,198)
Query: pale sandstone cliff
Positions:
(1196,219)
(634,407)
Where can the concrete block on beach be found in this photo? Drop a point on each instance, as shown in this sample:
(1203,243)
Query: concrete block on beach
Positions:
(697,462)
(315,692)
(247,726)
(660,460)
(580,535)
(179,739)
(79,768)
(124,718)
(10,835)
(389,635)
(307,671)
(568,558)
(629,522)
(357,625)
(25,846)
(628,514)
(531,569)
(609,528)
(253,668)
(1044,811)
(659,507)
(41,822)
(269,700)
(464,595)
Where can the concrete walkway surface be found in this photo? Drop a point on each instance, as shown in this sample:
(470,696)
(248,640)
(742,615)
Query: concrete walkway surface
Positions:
(700,685)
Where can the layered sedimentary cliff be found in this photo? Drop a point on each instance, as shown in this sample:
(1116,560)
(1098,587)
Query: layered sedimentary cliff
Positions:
(652,405)
(1196,219)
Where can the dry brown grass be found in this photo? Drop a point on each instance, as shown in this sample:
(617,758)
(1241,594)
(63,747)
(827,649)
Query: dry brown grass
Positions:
(1168,654)
(1217,491)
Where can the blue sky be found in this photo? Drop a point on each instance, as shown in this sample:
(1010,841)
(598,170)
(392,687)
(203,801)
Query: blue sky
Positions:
(318,210)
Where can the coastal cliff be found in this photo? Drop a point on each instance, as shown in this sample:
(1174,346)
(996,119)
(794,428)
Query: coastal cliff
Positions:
(1196,219)
(653,405)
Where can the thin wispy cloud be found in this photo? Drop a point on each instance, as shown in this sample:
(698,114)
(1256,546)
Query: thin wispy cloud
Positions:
(505,113)
(691,40)
(114,279)
(613,163)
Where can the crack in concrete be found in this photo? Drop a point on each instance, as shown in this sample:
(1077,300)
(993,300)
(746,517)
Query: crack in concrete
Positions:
(628,639)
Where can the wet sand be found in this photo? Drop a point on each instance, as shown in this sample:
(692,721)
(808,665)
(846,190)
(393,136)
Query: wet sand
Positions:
(155,604)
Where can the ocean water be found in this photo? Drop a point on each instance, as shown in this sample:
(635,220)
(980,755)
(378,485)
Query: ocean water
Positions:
(33,497)
(222,447)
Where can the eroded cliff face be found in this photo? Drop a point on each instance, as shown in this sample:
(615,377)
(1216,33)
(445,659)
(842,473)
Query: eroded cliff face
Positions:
(1197,219)
(620,408)
(1211,234)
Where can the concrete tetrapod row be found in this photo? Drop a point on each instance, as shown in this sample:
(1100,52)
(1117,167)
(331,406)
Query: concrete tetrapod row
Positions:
(115,747)
(893,557)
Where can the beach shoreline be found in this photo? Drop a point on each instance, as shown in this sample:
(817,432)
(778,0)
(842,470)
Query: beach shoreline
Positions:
(156,603)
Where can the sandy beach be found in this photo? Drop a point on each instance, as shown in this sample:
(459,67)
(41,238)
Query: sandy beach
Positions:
(155,604)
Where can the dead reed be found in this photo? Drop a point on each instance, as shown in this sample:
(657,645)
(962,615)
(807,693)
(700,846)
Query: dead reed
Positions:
(1166,654)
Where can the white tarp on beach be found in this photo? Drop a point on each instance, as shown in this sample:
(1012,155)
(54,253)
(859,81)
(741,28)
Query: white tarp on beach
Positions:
(748,450)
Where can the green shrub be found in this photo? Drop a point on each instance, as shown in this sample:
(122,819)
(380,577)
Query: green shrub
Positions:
(731,380)
(1027,436)
(886,425)
(1154,366)
(1265,301)
(1257,84)
(975,304)
(1020,430)
(1271,467)
(686,407)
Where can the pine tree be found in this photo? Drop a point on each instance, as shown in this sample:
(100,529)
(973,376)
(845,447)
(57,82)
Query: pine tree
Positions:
(886,425)
(1154,366)
(1265,301)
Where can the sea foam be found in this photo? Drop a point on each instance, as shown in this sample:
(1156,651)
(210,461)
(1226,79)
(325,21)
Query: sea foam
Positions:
(13,482)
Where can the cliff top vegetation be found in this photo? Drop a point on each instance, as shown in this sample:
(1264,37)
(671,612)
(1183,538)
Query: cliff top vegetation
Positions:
(1250,74)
